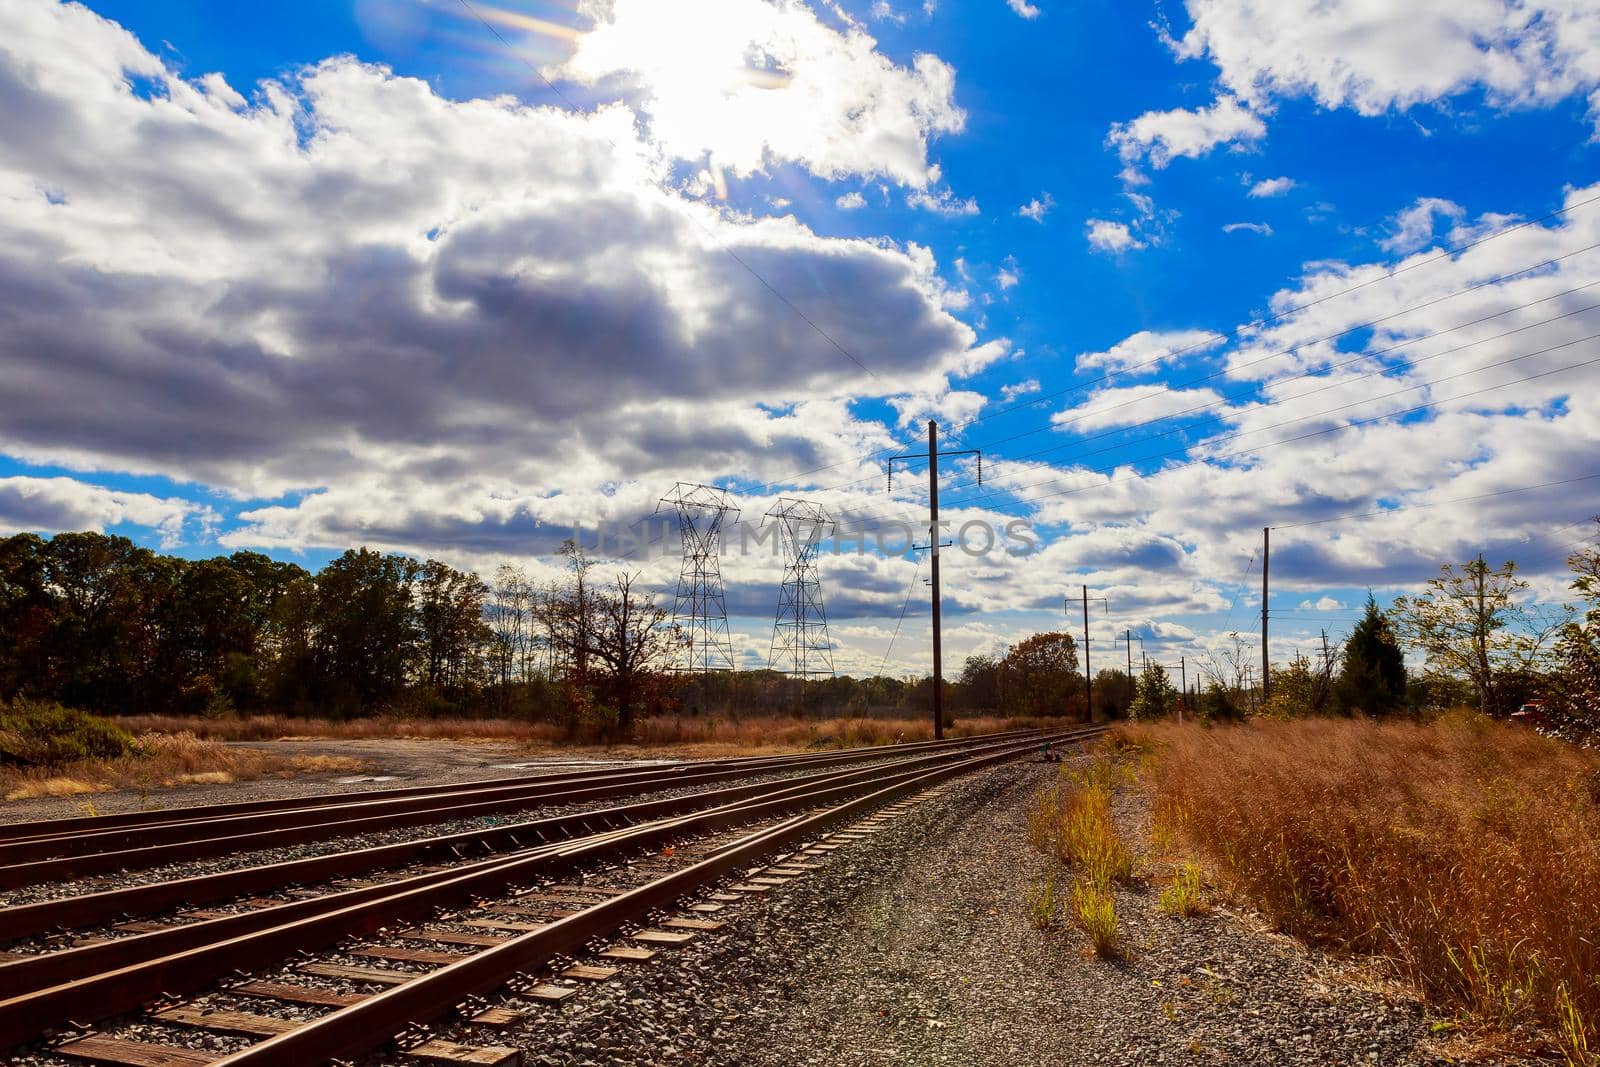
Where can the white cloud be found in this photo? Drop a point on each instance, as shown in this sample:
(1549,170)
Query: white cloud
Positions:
(50,505)
(1413,227)
(397,305)
(1037,208)
(1150,349)
(1373,57)
(750,81)
(1023,8)
(850,201)
(1011,392)
(942,202)
(1326,603)
(1009,275)
(1107,236)
(1161,136)
(1261,228)
(1128,406)
(1271,187)
(952,408)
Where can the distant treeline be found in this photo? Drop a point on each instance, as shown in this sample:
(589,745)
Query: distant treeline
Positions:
(94,621)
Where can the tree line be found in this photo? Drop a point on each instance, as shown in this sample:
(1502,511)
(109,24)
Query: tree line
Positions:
(1480,639)
(94,621)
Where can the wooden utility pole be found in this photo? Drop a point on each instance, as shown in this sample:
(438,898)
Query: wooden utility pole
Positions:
(1266,594)
(933,546)
(933,541)
(1183,684)
(1127,635)
(1088,674)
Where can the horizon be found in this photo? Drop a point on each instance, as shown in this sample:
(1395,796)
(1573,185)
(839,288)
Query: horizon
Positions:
(448,279)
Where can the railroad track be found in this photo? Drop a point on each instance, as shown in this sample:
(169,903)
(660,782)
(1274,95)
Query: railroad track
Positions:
(41,852)
(516,920)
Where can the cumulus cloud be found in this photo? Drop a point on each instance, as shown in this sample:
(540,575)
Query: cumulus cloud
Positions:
(768,82)
(50,505)
(1131,405)
(1373,57)
(1023,8)
(1270,187)
(1149,349)
(1413,227)
(1011,392)
(1106,235)
(1162,136)
(1037,208)
(851,201)
(344,283)
(943,202)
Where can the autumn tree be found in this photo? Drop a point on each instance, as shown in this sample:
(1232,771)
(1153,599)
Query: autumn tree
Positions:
(1575,688)
(1039,675)
(1155,696)
(1469,624)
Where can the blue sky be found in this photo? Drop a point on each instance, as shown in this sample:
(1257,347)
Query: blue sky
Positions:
(284,300)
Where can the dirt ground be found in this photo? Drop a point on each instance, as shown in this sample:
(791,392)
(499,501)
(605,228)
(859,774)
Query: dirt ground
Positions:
(389,763)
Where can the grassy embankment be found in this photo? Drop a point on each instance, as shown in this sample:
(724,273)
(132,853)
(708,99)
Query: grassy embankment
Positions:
(695,734)
(1463,854)
(69,753)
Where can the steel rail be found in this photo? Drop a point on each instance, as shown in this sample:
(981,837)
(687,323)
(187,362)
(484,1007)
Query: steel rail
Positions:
(22,872)
(51,828)
(379,1018)
(250,940)
(128,841)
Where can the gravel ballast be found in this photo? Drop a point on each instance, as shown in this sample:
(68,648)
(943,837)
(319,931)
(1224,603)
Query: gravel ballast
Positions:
(912,947)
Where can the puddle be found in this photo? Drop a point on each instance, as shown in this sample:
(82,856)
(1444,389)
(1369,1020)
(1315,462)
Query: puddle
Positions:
(362,779)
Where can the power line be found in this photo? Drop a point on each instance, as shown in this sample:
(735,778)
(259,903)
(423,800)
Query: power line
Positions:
(1234,368)
(1322,373)
(1287,422)
(1235,331)
(1441,503)
(912,588)
(1318,372)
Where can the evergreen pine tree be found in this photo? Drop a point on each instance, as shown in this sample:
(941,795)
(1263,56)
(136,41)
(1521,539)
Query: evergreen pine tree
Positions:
(1372,677)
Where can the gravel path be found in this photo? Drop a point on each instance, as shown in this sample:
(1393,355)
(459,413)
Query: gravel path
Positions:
(912,948)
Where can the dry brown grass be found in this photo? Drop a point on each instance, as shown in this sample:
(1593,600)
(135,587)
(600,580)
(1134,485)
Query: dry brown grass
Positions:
(704,733)
(1465,854)
(164,761)
(276,727)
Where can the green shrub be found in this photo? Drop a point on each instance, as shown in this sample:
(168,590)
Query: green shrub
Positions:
(48,735)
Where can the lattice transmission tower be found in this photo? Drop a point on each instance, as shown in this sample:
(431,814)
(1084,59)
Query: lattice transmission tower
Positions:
(700,609)
(800,644)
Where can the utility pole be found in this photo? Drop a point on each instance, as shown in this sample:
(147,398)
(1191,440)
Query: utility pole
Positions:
(1088,675)
(1266,593)
(1183,685)
(933,543)
(1127,635)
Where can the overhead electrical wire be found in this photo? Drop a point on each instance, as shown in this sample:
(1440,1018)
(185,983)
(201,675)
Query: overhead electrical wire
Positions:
(1018,492)
(1313,373)
(1078,387)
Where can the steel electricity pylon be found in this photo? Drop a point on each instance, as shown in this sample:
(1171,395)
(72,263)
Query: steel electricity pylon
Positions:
(800,644)
(700,609)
